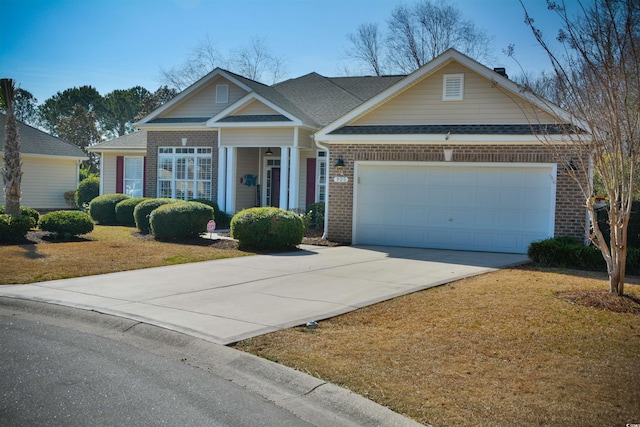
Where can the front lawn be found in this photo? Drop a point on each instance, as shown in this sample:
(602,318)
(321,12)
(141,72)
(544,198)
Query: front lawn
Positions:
(499,349)
(105,250)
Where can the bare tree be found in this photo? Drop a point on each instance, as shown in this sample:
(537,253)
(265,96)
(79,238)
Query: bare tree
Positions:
(544,85)
(12,170)
(419,33)
(254,61)
(598,77)
(366,47)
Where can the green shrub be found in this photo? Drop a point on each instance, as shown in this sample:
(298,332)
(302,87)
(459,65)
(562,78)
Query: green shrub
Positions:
(223,219)
(180,220)
(124,211)
(66,223)
(88,189)
(143,210)
(103,208)
(26,211)
(70,198)
(567,252)
(15,227)
(315,215)
(267,228)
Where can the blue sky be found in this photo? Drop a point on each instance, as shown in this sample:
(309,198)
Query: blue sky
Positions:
(52,45)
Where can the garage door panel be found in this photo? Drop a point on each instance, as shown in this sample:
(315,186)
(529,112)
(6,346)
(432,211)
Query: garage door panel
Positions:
(487,208)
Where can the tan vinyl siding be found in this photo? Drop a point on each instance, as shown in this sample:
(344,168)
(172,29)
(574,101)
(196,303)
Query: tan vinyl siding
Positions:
(484,102)
(203,103)
(304,139)
(248,163)
(45,180)
(263,137)
(255,107)
(108,173)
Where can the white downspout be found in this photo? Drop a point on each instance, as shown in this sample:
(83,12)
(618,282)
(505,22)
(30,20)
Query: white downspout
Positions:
(326,190)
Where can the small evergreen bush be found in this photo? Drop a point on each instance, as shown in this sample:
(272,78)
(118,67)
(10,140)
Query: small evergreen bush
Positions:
(124,211)
(25,211)
(103,208)
(315,215)
(88,189)
(267,228)
(70,198)
(66,223)
(567,252)
(15,227)
(223,219)
(143,210)
(180,220)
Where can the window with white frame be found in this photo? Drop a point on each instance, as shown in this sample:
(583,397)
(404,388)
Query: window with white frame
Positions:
(185,172)
(222,94)
(133,176)
(321,176)
(453,87)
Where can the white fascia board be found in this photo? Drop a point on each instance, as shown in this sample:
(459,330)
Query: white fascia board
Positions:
(255,125)
(191,89)
(440,139)
(51,156)
(173,126)
(110,149)
(244,101)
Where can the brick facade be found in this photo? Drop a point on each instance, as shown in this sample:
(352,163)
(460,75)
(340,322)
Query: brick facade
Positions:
(157,139)
(570,218)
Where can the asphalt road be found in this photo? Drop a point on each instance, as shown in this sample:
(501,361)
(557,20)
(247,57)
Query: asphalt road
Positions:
(61,373)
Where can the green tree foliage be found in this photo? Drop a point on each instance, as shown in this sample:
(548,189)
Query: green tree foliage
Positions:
(24,107)
(63,104)
(120,108)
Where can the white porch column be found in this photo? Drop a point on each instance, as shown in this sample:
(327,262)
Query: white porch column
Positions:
(222,178)
(284,177)
(294,177)
(230,188)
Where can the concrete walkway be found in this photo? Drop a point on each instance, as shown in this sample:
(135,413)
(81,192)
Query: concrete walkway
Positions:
(225,301)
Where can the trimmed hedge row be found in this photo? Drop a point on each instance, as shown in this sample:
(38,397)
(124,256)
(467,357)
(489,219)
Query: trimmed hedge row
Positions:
(103,208)
(143,210)
(180,220)
(267,228)
(124,211)
(66,223)
(88,189)
(15,227)
(566,252)
(223,219)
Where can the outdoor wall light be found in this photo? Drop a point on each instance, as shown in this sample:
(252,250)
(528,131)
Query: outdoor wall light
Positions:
(268,152)
(448,154)
(184,142)
(340,163)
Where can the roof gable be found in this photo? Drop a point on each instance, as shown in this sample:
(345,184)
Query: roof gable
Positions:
(135,141)
(36,142)
(426,83)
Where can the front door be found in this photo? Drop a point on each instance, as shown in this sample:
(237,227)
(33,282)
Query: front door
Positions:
(271,192)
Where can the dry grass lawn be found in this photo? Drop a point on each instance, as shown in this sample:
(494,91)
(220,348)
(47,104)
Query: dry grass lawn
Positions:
(494,350)
(105,250)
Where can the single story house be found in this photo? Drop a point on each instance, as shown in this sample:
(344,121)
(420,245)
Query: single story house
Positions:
(446,157)
(50,167)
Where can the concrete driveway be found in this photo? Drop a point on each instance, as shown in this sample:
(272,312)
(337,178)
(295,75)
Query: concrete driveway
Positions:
(225,301)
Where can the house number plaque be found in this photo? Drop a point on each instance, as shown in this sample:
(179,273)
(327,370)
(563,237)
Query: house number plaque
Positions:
(340,179)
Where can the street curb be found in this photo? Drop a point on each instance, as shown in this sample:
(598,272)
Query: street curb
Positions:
(311,399)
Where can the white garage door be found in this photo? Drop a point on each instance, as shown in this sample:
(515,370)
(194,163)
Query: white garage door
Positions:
(491,208)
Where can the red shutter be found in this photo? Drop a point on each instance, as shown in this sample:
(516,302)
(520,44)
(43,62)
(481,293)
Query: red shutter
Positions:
(311,181)
(120,174)
(144,177)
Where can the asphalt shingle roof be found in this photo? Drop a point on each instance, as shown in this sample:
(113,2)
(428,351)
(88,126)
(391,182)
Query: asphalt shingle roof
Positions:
(35,141)
(487,129)
(132,141)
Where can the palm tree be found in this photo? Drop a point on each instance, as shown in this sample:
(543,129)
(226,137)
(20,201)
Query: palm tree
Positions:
(12,170)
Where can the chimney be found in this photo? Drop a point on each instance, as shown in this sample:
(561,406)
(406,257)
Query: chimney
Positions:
(502,71)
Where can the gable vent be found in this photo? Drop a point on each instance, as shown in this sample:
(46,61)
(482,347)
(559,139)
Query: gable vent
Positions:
(452,87)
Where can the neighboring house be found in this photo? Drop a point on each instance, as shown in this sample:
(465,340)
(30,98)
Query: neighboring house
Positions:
(445,157)
(50,167)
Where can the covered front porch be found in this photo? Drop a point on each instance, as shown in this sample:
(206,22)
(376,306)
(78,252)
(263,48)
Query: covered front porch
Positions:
(266,168)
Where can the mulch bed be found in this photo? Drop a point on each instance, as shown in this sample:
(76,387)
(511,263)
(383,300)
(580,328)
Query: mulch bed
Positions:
(603,300)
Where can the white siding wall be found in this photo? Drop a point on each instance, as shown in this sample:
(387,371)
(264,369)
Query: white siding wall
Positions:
(264,137)
(255,107)
(423,104)
(108,172)
(248,163)
(203,103)
(45,180)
